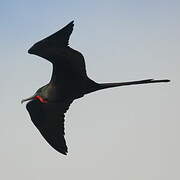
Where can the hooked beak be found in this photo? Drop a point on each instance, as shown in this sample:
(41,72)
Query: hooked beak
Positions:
(27,99)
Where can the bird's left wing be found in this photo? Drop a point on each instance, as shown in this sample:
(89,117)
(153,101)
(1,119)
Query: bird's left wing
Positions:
(49,120)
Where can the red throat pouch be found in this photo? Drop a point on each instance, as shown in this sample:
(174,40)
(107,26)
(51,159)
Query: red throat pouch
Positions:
(41,99)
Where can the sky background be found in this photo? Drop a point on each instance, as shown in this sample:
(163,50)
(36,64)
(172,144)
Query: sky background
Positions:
(129,133)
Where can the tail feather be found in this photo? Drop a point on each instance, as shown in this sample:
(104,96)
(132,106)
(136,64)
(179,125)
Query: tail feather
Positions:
(146,81)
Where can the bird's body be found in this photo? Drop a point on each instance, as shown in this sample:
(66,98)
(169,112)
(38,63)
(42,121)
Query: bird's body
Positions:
(69,78)
(69,81)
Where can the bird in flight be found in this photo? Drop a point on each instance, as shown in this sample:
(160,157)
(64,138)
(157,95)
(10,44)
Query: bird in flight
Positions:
(69,81)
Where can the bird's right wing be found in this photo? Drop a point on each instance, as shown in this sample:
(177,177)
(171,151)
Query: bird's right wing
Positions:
(49,120)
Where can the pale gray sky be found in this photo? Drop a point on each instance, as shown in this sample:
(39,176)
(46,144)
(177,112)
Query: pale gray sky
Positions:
(129,133)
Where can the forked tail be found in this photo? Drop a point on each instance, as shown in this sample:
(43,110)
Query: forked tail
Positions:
(146,81)
(93,86)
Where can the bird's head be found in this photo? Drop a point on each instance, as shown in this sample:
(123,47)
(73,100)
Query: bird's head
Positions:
(29,99)
(34,97)
(39,95)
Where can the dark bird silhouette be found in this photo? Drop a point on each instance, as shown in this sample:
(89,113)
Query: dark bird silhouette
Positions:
(69,81)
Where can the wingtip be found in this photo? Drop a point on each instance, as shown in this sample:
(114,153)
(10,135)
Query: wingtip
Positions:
(61,151)
(72,22)
(70,25)
(64,153)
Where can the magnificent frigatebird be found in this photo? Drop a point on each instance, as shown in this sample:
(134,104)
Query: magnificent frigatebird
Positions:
(69,81)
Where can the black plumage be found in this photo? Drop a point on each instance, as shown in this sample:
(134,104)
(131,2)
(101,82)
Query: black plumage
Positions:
(69,81)
(49,119)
